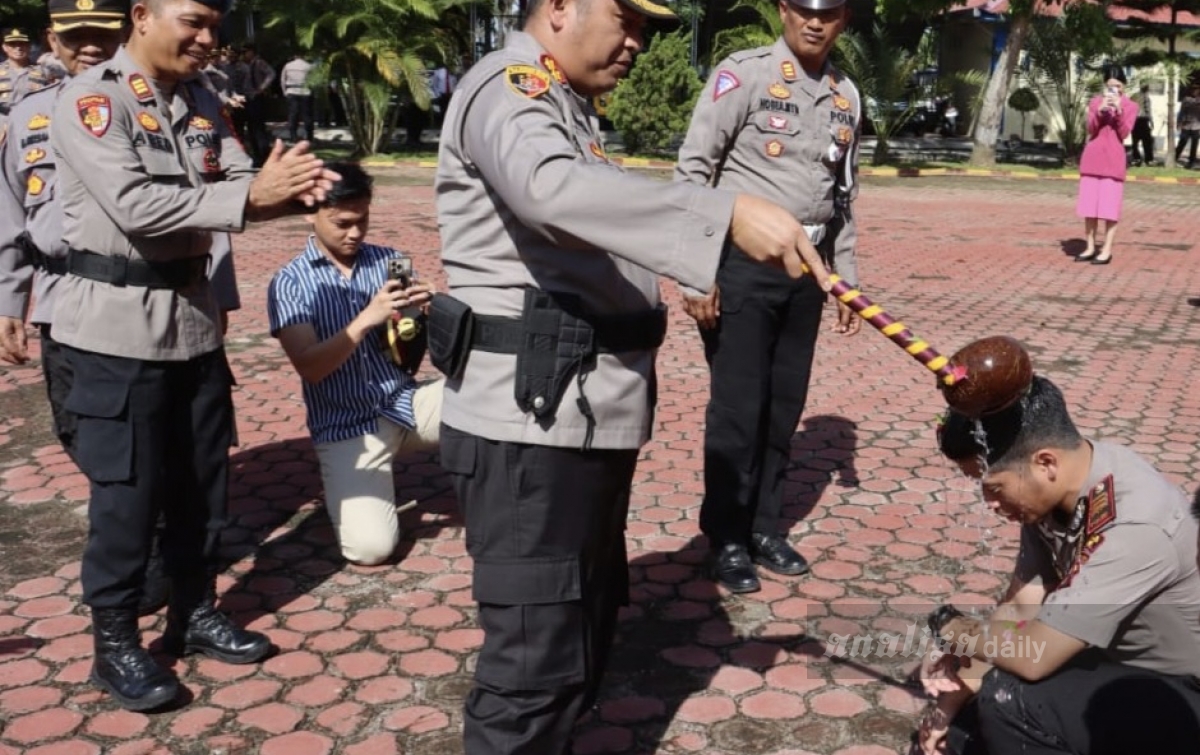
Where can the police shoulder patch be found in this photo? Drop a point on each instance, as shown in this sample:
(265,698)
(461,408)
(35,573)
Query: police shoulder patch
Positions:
(527,81)
(95,112)
(726,82)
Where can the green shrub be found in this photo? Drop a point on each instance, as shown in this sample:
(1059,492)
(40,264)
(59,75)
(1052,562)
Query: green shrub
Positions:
(653,106)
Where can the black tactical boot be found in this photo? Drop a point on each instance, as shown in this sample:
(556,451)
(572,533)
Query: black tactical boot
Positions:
(196,626)
(122,667)
(157,586)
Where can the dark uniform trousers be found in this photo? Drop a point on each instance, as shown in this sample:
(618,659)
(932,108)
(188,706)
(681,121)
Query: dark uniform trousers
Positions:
(300,109)
(546,529)
(760,357)
(151,433)
(1090,707)
(59,375)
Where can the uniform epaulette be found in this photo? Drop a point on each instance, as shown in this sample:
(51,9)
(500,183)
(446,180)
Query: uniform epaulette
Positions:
(743,55)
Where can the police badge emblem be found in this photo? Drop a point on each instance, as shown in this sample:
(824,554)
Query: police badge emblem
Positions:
(95,112)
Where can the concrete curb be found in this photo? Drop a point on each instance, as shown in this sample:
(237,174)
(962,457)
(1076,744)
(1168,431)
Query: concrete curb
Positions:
(647,164)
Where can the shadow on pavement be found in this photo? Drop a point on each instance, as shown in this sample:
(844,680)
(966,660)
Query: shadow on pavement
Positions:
(278,520)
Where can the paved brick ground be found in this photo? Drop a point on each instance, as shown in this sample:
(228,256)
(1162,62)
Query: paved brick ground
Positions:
(377,660)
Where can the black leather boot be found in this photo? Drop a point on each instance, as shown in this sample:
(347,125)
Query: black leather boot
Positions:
(196,626)
(122,667)
(156,588)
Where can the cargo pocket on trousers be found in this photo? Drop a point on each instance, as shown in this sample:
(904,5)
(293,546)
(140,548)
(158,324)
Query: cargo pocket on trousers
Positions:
(104,437)
(534,622)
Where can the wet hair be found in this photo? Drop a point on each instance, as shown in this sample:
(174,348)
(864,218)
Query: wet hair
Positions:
(1114,72)
(1039,420)
(354,184)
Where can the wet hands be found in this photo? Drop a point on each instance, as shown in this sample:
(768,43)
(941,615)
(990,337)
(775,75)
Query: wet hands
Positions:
(768,233)
(294,175)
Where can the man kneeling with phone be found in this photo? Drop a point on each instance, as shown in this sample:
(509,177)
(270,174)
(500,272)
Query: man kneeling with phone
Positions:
(350,316)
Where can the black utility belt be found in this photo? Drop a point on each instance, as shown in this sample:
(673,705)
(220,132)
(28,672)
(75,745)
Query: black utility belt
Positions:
(554,340)
(48,264)
(642,331)
(123,271)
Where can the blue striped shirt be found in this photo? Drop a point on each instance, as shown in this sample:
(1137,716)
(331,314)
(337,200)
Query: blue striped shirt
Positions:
(349,401)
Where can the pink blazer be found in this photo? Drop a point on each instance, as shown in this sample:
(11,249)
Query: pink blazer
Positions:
(1104,155)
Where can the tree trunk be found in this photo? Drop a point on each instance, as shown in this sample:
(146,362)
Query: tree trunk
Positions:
(1172,88)
(987,128)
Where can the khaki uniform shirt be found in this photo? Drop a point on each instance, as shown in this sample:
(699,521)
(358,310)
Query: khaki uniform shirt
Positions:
(1122,575)
(527,198)
(16,81)
(30,203)
(764,126)
(145,178)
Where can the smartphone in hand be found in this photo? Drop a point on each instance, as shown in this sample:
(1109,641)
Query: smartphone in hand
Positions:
(400,269)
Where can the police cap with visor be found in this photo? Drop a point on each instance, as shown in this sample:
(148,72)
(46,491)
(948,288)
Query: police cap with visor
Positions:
(66,15)
(816,4)
(651,8)
(15,35)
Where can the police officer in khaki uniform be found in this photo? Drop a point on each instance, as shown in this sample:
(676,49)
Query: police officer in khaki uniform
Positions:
(17,74)
(137,316)
(782,123)
(1096,647)
(548,339)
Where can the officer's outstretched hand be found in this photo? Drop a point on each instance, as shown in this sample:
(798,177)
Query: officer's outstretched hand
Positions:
(14,346)
(289,181)
(768,233)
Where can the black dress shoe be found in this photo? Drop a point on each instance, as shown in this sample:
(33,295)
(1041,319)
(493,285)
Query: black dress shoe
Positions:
(732,568)
(1085,257)
(1102,260)
(776,554)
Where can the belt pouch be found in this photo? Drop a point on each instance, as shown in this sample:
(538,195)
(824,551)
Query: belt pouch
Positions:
(450,325)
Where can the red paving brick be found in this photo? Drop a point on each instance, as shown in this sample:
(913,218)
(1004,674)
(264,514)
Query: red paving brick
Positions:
(375,660)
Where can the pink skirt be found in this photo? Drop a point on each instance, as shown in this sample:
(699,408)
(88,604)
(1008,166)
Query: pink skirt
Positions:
(1100,198)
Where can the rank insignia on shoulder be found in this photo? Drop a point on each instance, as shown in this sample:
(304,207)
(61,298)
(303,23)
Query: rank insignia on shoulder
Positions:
(95,112)
(787,69)
(38,122)
(33,155)
(779,91)
(35,186)
(551,65)
(726,83)
(527,81)
(774,148)
(841,103)
(1102,506)
(200,123)
(141,88)
(149,122)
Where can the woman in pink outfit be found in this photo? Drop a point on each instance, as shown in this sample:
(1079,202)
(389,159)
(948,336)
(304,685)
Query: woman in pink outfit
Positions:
(1102,168)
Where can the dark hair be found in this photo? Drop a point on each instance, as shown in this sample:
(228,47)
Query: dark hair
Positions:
(1196,505)
(1039,420)
(355,183)
(1114,72)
